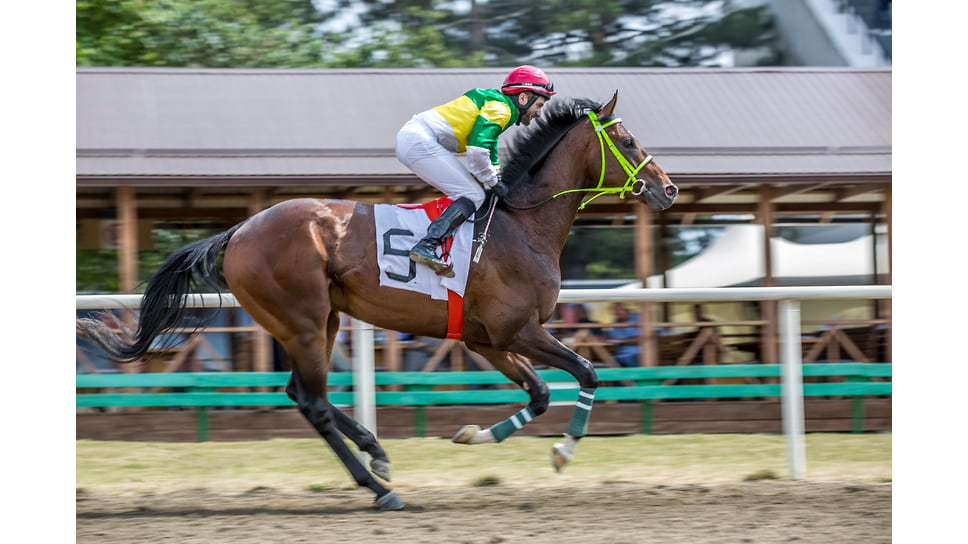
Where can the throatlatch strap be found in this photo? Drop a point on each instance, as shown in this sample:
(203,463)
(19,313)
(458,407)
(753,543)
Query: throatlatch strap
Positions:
(455,302)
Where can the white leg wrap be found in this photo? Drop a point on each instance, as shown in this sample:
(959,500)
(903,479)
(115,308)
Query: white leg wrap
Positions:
(568,447)
(561,453)
(472,434)
(483,437)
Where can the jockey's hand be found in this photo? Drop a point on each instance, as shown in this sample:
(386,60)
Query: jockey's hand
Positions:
(491,177)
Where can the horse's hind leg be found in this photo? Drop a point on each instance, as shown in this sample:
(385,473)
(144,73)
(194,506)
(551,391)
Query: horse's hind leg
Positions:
(322,415)
(276,265)
(518,370)
(360,435)
(307,387)
(364,439)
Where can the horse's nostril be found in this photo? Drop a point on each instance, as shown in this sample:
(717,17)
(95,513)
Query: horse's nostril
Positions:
(671,190)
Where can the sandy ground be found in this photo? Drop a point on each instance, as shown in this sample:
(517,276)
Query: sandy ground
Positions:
(761,511)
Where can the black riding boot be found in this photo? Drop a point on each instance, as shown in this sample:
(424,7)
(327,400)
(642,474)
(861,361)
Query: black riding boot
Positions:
(425,251)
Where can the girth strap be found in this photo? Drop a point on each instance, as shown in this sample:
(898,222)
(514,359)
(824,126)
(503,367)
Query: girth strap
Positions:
(455,302)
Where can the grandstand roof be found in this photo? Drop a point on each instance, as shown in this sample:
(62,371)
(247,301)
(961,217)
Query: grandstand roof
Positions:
(719,133)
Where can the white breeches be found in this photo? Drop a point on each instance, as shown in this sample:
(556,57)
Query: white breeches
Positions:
(419,150)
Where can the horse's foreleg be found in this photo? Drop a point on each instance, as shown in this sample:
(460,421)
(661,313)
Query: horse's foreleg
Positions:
(321,414)
(562,452)
(539,345)
(519,371)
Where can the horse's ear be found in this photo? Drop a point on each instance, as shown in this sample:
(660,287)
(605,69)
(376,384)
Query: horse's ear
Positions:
(609,108)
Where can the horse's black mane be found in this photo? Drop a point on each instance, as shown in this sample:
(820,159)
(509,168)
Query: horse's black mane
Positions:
(529,146)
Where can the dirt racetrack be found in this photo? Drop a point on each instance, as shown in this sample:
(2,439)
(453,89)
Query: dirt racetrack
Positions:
(760,511)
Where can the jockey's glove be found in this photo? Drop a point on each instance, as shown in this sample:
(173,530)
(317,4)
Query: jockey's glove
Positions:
(479,163)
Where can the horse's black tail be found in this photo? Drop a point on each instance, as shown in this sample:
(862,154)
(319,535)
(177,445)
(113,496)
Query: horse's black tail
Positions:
(184,272)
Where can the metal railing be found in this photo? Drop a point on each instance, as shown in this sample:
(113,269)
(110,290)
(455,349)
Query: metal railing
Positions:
(789,318)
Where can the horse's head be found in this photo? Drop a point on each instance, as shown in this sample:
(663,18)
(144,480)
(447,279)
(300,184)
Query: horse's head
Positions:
(631,164)
(545,158)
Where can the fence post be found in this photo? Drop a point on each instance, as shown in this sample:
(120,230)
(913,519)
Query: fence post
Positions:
(792,377)
(364,396)
(857,406)
(648,407)
(201,423)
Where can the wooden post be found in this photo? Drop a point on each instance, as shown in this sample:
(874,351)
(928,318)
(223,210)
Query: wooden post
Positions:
(768,307)
(127,212)
(663,264)
(392,355)
(890,266)
(886,210)
(648,343)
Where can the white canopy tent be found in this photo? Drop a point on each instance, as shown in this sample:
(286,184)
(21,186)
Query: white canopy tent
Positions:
(736,259)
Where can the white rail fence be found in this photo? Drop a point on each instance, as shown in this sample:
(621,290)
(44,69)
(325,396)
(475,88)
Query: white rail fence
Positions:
(790,331)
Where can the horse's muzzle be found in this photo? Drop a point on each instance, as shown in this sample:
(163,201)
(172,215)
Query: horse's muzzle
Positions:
(656,195)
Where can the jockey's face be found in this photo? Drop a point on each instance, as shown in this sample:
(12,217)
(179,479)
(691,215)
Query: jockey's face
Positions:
(532,112)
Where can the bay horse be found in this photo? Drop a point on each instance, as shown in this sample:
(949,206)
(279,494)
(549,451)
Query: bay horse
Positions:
(296,265)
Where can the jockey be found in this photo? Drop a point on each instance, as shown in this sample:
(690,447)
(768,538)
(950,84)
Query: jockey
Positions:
(469,124)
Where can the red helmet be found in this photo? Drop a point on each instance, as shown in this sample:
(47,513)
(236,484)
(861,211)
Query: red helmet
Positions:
(528,78)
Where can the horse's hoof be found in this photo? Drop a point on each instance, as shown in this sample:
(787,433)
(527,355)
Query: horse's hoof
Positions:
(466,434)
(559,457)
(381,468)
(390,501)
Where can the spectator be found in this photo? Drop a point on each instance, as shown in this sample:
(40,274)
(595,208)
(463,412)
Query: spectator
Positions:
(419,350)
(627,338)
(577,313)
(698,314)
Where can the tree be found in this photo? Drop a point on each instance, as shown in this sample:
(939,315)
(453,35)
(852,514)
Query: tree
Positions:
(562,32)
(197,33)
(402,34)
(412,33)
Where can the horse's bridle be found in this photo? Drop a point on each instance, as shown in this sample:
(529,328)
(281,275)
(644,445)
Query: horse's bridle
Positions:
(630,171)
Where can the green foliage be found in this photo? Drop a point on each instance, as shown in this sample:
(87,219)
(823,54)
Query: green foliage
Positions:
(198,33)
(608,252)
(413,41)
(97,269)
(166,241)
(410,33)
(599,253)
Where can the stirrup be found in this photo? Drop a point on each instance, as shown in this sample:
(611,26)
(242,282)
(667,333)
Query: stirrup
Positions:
(447,271)
(425,251)
(439,267)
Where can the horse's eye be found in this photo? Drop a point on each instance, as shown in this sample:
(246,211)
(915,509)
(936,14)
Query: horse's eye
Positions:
(629,143)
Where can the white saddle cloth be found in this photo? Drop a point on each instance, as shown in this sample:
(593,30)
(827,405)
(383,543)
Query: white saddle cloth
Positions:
(397,230)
